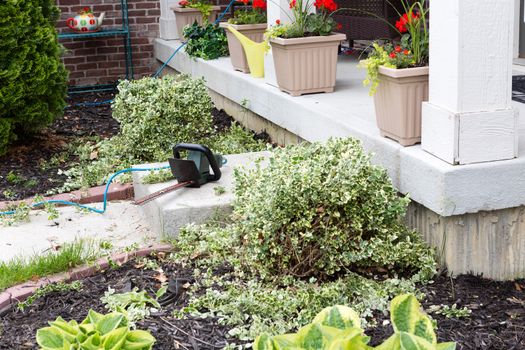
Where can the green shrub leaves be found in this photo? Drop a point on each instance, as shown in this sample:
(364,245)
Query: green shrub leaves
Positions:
(319,209)
(32,77)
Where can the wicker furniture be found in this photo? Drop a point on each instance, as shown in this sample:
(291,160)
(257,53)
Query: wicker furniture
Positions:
(358,23)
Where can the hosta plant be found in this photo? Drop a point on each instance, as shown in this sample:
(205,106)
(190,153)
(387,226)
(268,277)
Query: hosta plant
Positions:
(338,328)
(96,332)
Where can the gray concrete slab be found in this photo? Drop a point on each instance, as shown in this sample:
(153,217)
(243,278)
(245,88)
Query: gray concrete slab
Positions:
(167,214)
(123,224)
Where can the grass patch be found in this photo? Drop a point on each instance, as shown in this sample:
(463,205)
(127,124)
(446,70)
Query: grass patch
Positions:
(21,269)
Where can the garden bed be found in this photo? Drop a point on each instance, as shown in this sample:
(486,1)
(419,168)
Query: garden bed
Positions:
(35,166)
(497,319)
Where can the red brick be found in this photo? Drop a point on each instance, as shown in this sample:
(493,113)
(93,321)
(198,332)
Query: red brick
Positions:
(74,60)
(145,5)
(146,20)
(86,66)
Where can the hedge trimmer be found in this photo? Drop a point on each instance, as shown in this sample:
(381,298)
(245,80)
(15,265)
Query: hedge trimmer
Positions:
(194,171)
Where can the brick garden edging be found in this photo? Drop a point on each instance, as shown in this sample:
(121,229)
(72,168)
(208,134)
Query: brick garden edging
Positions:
(91,195)
(16,294)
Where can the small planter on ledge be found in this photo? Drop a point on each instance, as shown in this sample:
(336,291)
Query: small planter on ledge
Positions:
(253,32)
(307,64)
(187,15)
(398,103)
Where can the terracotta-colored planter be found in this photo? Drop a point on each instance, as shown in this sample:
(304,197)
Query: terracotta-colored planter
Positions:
(306,65)
(398,103)
(187,16)
(254,32)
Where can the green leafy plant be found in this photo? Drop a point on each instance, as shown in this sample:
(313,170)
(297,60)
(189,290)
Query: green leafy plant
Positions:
(96,332)
(135,305)
(320,209)
(411,51)
(207,41)
(20,214)
(32,77)
(339,327)
(254,15)
(48,289)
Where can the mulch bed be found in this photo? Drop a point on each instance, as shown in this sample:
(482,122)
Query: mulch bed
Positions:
(497,320)
(84,117)
(26,157)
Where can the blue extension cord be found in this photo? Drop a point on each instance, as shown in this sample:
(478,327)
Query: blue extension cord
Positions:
(128,170)
(104,201)
(159,71)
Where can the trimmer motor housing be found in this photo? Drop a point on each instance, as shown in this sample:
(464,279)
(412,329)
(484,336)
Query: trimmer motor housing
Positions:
(196,167)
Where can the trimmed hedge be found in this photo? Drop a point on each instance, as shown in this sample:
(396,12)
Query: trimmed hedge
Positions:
(33,80)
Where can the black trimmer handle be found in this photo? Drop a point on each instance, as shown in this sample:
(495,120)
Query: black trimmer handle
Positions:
(199,148)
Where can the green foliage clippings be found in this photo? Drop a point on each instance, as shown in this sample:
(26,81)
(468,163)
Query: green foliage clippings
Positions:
(32,77)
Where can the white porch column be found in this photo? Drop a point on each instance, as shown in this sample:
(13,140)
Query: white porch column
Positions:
(167,23)
(469,118)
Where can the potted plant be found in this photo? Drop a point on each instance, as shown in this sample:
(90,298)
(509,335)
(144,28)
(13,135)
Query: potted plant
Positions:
(398,76)
(305,50)
(249,22)
(188,12)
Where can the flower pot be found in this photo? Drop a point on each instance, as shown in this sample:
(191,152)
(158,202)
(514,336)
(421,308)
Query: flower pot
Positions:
(187,16)
(254,32)
(306,65)
(398,103)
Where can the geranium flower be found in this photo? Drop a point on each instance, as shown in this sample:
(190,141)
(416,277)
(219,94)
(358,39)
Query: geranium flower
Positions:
(184,3)
(401,24)
(406,52)
(393,54)
(293,3)
(278,21)
(329,5)
(245,2)
(397,49)
(259,4)
(338,26)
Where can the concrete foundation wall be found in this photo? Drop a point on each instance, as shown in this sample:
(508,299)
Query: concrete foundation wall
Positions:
(488,242)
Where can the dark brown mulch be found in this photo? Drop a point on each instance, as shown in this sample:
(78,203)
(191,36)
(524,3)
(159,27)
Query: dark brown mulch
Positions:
(497,321)
(27,158)
(18,329)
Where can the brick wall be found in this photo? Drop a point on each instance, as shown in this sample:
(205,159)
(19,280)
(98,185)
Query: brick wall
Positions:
(102,60)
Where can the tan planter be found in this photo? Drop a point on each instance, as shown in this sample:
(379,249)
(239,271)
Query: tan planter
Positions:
(398,103)
(254,32)
(186,16)
(306,65)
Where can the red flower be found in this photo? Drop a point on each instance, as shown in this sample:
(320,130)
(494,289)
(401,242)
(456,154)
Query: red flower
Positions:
(245,2)
(398,49)
(401,24)
(393,54)
(293,3)
(406,52)
(86,9)
(259,4)
(184,3)
(338,26)
(278,21)
(328,5)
